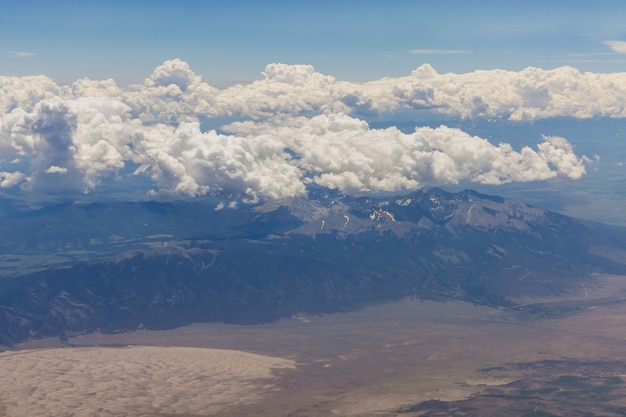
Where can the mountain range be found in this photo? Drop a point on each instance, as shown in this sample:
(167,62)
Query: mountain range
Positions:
(73,268)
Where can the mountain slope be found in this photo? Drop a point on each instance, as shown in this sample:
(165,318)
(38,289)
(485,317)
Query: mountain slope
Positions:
(326,253)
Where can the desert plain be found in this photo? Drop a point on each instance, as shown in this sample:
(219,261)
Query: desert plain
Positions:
(557,356)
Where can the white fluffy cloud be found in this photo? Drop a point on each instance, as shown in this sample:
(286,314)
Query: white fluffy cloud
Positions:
(529,94)
(174,93)
(70,138)
(9,179)
(25,92)
(186,161)
(341,152)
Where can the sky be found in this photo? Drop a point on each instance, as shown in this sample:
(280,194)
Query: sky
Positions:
(248,101)
(231,42)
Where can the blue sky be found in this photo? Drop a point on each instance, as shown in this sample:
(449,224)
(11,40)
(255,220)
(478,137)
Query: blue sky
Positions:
(231,42)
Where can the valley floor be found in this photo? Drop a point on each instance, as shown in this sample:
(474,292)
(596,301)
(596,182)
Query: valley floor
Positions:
(409,358)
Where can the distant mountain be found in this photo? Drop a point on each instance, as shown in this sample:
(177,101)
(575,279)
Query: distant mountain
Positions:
(122,266)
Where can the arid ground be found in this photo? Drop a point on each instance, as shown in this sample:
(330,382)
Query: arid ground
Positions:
(563,356)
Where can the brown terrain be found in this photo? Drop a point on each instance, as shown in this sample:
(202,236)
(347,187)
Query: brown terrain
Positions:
(562,356)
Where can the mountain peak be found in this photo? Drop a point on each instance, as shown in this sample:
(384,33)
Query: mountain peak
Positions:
(116,266)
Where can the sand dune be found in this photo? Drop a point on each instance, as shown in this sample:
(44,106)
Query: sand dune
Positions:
(132,381)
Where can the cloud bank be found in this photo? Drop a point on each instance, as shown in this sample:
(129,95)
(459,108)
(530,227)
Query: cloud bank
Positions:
(302,128)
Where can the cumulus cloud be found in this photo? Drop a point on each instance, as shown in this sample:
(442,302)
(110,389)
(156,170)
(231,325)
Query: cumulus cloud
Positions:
(174,93)
(530,94)
(25,92)
(341,152)
(186,161)
(304,128)
(69,145)
(284,89)
(53,151)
